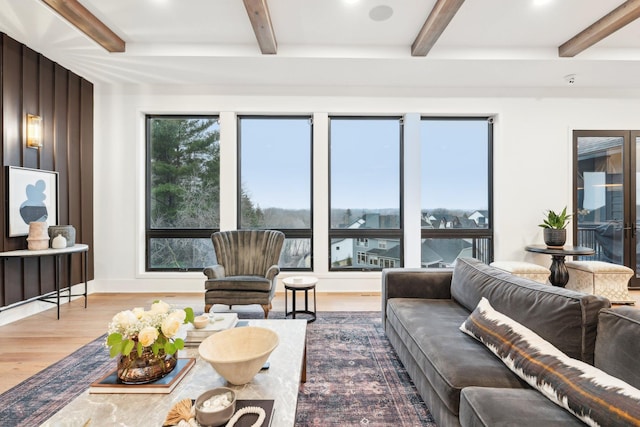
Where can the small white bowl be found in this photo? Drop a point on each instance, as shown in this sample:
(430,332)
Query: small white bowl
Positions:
(219,417)
(200,322)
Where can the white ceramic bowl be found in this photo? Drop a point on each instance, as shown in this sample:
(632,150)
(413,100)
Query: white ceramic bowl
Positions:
(238,354)
(200,322)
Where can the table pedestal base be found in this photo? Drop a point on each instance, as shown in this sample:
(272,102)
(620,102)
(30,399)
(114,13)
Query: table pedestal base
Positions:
(559,274)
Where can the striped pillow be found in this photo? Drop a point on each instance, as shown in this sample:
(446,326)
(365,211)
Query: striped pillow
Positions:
(590,394)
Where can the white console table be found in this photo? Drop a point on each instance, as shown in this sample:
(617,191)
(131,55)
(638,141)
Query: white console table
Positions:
(54,296)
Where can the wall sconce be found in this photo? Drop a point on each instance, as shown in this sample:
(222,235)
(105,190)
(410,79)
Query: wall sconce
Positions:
(34,131)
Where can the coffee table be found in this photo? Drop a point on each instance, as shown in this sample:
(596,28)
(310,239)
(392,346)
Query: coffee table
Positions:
(280,382)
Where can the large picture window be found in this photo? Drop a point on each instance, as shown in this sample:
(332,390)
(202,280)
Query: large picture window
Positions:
(183,187)
(456,190)
(365,202)
(274,182)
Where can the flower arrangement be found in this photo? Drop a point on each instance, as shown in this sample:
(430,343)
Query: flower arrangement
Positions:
(155,328)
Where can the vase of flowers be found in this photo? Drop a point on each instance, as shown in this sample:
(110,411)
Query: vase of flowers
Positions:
(145,341)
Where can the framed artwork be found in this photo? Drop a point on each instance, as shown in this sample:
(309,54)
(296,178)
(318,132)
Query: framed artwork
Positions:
(33,196)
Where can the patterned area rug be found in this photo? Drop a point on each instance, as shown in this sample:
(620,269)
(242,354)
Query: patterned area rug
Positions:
(354,378)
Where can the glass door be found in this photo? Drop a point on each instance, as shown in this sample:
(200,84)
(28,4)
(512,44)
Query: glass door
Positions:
(605,196)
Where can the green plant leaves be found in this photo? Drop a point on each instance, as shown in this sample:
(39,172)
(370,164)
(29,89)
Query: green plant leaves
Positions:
(190,316)
(554,220)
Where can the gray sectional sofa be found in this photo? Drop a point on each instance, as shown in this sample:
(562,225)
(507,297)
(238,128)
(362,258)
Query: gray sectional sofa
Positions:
(460,380)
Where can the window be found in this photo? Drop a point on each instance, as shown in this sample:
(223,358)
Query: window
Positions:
(183,182)
(274,182)
(456,190)
(365,200)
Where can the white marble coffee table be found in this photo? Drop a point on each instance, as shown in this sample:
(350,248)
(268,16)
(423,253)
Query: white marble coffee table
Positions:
(280,382)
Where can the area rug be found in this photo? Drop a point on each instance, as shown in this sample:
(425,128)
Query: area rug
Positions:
(354,378)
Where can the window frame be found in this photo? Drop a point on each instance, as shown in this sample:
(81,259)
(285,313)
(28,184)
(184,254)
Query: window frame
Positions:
(462,233)
(383,233)
(289,233)
(168,233)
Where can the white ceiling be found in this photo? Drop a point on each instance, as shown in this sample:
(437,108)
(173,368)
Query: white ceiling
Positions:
(496,46)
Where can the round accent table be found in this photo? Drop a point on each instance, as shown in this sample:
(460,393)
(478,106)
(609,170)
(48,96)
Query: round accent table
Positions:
(300,283)
(559,273)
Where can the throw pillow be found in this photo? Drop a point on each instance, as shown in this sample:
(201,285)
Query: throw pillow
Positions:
(589,393)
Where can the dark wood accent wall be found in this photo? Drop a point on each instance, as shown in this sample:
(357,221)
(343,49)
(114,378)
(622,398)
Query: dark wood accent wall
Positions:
(33,84)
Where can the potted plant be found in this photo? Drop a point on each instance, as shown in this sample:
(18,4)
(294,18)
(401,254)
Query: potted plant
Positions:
(554,225)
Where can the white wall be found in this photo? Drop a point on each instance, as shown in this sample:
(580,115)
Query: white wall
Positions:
(532,170)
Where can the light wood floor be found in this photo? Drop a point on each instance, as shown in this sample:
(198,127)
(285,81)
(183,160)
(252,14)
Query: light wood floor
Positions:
(30,345)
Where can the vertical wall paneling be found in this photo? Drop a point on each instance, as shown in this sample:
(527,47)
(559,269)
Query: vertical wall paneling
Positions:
(12,102)
(47,84)
(30,102)
(73,161)
(33,84)
(59,149)
(30,156)
(3,298)
(86,166)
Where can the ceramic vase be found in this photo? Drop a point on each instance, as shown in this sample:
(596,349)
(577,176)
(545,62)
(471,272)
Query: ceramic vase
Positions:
(554,237)
(59,242)
(67,231)
(38,238)
(145,368)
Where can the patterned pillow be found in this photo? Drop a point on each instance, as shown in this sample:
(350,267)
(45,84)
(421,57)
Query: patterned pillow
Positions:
(589,393)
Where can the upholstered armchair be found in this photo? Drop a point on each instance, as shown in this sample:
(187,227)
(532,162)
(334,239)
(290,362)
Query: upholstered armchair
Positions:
(246,270)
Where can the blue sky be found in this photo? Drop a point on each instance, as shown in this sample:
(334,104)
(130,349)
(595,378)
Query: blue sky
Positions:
(364,158)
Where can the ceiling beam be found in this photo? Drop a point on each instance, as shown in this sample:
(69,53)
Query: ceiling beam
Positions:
(440,16)
(258,12)
(87,22)
(619,17)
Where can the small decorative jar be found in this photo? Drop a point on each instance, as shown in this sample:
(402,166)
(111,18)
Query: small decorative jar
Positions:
(59,242)
(38,238)
(67,231)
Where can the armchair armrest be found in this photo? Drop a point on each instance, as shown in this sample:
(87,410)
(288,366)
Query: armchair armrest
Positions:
(214,271)
(272,272)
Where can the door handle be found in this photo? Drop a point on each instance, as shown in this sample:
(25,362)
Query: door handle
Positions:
(632,228)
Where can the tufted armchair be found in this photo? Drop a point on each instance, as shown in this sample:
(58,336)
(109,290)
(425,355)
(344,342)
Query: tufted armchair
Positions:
(246,270)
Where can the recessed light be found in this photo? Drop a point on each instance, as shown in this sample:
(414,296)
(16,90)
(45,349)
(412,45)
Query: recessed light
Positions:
(381,13)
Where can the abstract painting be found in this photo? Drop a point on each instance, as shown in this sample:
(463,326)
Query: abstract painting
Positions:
(33,196)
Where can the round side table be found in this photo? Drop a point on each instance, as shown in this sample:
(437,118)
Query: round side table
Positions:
(300,283)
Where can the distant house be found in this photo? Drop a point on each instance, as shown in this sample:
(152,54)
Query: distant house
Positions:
(454,221)
(481,218)
(368,253)
(444,252)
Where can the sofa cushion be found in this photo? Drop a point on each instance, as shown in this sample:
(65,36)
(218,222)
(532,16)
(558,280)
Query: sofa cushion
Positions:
(494,407)
(589,393)
(618,343)
(539,307)
(449,359)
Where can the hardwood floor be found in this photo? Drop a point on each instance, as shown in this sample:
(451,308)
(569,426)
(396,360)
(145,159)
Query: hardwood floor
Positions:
(30,345)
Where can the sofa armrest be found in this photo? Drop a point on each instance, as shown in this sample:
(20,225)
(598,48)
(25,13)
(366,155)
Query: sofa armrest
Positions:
(416,283)
(214,271)
(431,283)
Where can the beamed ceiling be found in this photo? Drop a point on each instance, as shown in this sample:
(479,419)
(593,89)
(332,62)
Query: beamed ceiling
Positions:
(498,47)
